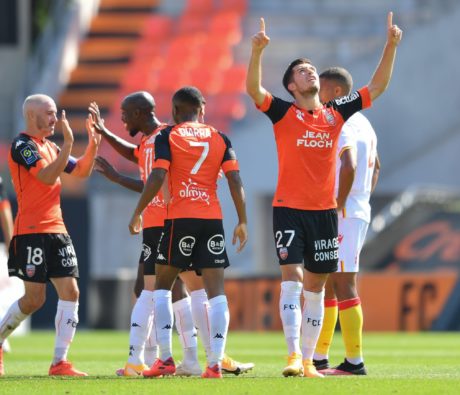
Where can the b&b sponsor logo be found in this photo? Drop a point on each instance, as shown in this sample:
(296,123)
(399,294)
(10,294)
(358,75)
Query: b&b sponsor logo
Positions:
(186,245)
(216,244)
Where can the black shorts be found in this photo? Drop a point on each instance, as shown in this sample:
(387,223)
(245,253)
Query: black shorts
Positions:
(150,239)
(37,257)
(193,243)
(309,236)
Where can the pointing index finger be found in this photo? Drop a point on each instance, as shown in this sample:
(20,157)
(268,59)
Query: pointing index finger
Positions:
(390,20)
(262,25)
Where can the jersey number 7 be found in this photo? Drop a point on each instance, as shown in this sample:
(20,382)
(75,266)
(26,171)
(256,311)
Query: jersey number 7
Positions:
(204,154)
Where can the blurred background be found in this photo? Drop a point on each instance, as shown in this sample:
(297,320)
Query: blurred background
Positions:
(78,51)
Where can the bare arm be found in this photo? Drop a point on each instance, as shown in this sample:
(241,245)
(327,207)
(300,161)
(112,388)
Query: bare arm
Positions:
(376,173)
(151,188)
(236,190)
(85,164)
(382,74)
(108,171)
(123,147)
(6,220)
(346,176)
(50,173)
(254,86)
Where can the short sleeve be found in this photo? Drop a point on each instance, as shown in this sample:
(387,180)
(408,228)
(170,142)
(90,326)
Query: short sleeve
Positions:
(347,140)
(349,105)
(274,107)
(162,149)
(229,161)
(25,153)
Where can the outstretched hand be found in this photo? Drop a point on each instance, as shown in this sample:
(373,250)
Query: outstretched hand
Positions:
(260,40)
(98,122)
(66,129)
(101,165)
(94,138)
(394,33)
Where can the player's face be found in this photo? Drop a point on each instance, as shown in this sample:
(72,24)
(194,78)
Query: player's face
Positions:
(305,78)
(130,120)
(45,118)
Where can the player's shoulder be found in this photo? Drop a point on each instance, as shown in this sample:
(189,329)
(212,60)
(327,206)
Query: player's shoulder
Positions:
(22,140)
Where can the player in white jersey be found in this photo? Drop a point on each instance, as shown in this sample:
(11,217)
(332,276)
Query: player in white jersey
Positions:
(357,173)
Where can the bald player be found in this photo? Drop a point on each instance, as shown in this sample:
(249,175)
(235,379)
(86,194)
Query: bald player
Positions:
(41,249)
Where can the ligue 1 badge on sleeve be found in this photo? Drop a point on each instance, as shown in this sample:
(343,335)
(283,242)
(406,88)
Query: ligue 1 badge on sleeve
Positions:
(30,270)
(283,253)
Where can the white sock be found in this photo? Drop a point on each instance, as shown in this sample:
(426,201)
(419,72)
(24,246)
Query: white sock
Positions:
(151,345)
(139,330)
(219,318)
(13,317)
(163,321)
(312,320)
(200,314)
(186,330)
(291,314)
(66,322)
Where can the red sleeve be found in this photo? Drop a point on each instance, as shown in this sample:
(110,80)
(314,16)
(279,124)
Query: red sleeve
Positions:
(40,164)
(266,103)
(365,97)
(162,164)
(136,152)
(230,165)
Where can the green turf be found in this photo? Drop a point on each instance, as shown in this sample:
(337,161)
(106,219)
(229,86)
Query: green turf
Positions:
(427,363)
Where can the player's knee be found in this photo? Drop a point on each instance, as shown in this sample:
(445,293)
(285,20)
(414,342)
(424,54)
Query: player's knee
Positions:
(32,302)
(71,294)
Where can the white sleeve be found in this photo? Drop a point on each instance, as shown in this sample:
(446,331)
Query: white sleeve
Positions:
(347,139)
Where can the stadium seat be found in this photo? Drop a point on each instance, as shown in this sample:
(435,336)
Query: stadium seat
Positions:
(80,98)
(240,6)
(116,24)
(215,54)
(197,7)
(157,27)
(234,80)
(190,23)
(96,74)
(97,49)
(108,5)
(208,80)
(169,79)
(227,26)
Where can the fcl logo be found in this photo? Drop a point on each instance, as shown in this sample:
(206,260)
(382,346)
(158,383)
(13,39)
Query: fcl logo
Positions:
(283,253)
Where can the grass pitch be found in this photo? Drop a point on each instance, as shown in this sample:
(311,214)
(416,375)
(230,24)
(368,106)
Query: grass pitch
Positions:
(426,363)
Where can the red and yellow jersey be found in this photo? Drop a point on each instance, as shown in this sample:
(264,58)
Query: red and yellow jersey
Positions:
(39,205)
(194,153)
(306,143)
(155,213)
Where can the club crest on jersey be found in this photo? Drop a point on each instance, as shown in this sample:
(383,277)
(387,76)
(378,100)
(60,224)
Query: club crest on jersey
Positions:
(186,245)
(30,270)
(283,253)
(299,115)
(330,119)
(193,192)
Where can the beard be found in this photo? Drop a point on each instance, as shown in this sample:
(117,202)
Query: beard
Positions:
(41,124)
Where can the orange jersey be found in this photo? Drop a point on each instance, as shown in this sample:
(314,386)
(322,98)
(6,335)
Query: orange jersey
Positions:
(39,205)
(194,153)
(306,143)
(155,213)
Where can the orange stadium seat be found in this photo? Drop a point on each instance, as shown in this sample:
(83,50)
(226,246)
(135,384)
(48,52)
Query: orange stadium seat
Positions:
(169,79)
(110,4)
(97,73)
(227,26)
(106,48)
(199,7)
(207,80)
(110,23)
(189,23)
(215,54)
(226,105)
(157,27)
(234,80)
(240,6)
(80,98)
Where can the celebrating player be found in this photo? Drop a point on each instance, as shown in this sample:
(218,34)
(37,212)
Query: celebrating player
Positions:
(193,154)
(41,249)
(304,212)
(356,177)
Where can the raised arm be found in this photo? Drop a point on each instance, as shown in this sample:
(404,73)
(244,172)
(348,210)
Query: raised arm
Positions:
(50,173)
(254,86)
(123,147)
(346,176)
(382,74)
(102,166)
(85,164)
(151,188)
(236,190)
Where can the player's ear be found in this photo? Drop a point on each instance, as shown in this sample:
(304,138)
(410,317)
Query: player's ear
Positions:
(291,86)
(201,114)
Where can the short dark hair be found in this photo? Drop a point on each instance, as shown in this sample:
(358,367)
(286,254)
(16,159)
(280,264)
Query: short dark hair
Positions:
(287,77)
(189,96)
(141,100)
(339,75)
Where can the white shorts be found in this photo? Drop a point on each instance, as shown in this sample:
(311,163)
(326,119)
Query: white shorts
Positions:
(352,233)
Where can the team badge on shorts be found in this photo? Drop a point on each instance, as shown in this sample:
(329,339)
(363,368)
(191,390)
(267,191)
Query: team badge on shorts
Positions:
(340,238)
(30,270)
(147,251)
(283,253)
